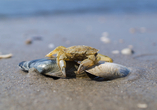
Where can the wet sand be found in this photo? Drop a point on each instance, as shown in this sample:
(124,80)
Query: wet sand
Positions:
(136,91)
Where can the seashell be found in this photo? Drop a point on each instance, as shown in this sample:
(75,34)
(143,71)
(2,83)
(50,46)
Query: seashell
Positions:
(127,51)
(43,66)
(105,39)
(6,56)
(28,41)
(99,72)
(49,67)
(109,70)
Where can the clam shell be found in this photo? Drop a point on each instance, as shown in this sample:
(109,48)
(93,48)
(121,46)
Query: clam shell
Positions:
(109,70)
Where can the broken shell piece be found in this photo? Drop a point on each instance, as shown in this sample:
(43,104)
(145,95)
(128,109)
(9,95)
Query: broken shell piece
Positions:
(109,70)
(6,56)
(127,51)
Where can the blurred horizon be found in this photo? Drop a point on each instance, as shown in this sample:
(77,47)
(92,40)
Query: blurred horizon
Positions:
(27,8)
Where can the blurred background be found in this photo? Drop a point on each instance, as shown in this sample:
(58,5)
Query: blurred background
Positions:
(25,8)
(109,25)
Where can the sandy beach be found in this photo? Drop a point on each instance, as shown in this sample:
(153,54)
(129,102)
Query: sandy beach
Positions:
(134,92)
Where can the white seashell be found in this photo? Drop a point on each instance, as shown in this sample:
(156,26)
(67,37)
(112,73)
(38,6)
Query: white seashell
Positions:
(109,70)
(127,51)
(105,39)
(6,56)
(142,105)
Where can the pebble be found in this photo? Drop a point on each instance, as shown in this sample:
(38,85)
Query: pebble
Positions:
(28,41)
(115,52)
(51,46)
(142,105)
(127,51)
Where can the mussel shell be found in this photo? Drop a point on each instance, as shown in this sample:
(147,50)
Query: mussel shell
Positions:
(109,70)
(101,71)
(49,67)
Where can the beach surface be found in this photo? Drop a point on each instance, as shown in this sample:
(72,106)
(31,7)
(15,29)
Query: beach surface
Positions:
(135,92)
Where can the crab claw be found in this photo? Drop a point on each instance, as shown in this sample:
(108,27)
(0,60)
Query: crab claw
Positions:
(62,65)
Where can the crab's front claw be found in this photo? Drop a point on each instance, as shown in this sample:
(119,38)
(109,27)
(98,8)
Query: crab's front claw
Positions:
(62,65)
(84,65)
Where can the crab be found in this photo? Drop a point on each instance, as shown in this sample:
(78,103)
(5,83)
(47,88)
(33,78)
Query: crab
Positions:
(88,56)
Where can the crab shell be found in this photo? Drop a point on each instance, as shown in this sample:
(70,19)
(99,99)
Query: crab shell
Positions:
(80,51)
(49,67)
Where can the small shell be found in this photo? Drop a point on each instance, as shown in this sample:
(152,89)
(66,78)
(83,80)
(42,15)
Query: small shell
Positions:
(28,41)
(105,39)
(6,56)
(127,51)
(109,70)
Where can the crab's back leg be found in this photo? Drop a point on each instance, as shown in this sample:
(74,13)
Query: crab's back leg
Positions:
(104,58)
(55,51)
(90,61)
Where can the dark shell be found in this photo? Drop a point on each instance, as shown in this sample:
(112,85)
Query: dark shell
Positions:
(49,67)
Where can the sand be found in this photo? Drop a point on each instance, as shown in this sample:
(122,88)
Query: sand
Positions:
(136,91)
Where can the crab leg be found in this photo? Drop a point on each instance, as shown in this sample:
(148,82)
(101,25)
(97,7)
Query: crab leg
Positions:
(92,60)
(62,65)
(55,51)
(84,65)
(104,58)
